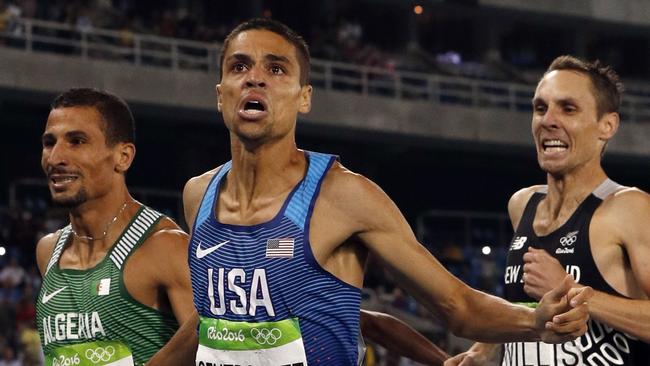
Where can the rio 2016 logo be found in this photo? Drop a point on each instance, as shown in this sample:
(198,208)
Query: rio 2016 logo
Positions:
(569,239)
(266,336)
(95,355)
(225,335)
(66,361)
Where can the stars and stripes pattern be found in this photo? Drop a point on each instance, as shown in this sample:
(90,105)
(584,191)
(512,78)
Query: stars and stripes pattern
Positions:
(279,248)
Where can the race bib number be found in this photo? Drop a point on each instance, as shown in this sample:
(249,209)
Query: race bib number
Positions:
(601,345)
(538,353)
(100,353)
(223,342)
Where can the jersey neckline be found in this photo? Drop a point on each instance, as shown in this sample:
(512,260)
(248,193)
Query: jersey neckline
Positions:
(562,228)
(108,252)
(274,221)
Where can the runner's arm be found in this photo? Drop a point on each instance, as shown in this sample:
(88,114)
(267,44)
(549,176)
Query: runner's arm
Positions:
(468,313)
(631,212)
(181,348)
(397,336)
(480,354)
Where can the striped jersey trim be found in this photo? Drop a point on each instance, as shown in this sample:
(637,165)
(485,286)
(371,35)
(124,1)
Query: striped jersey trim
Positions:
(146,219)
(143,222)
(58,247)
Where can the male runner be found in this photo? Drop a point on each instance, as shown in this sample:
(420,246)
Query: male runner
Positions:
(115,280)
(581,222)
(280,235)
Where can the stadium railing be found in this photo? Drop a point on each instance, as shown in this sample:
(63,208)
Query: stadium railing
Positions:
(34,35)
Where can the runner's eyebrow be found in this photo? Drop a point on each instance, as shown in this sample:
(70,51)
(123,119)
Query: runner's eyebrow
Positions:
(275,58)
(239,57)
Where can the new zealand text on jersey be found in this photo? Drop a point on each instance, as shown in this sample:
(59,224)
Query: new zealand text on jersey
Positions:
(513,273)
(72,326)
(245,303)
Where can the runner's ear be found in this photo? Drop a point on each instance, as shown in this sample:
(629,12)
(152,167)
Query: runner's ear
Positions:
(305,99)
(124,155)
(608,125)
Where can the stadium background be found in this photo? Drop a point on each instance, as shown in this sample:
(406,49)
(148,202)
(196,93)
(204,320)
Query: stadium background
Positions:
(430,99)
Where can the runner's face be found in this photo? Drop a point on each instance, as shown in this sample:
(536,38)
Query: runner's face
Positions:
(76,160)
(565,124)
(260,94)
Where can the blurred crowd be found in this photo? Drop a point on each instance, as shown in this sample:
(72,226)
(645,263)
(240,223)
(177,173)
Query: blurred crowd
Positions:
(20,281)
(343,40)
(116,15)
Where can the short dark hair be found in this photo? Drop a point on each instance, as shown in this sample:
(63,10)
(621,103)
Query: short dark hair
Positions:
(607,87)
(302,50)
(118,125)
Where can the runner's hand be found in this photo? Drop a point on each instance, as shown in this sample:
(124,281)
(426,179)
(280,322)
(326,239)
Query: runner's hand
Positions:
(562,314)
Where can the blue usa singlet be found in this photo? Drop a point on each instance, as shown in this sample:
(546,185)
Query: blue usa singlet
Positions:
(261,296)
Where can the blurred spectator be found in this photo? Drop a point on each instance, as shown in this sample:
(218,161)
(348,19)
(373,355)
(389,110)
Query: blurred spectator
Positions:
(488,274)
(349,34)
(29,8)
(32,282)
(9,357)
(11,277)
(26,309)
(452,253)
(83,21)
(7,319)
(167,24)
(187,26)
(9,12)
(30,344)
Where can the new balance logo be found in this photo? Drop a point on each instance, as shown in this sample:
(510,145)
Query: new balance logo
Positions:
(518,242)
(49,297)
(200,253)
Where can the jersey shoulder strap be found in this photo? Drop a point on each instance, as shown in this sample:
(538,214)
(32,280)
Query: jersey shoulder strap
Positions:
(58,247)
(137,231)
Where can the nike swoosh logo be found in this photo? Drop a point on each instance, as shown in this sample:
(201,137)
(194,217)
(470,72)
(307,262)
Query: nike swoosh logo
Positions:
(49,297)
(200,253)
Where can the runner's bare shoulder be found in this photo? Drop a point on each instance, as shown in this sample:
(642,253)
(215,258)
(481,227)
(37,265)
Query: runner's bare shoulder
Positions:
(44,249)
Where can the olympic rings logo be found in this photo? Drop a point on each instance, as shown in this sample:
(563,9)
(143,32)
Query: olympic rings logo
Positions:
(569,239)
(100,354)
(266,336)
